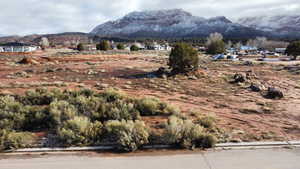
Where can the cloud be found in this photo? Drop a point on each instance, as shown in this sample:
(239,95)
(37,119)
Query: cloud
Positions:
(52,16)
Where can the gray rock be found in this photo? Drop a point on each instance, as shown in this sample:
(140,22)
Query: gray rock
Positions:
(257,87)
(274,93)
(240,78)
(192,78)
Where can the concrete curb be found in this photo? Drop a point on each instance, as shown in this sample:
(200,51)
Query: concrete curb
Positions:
(258,145)
(224,146)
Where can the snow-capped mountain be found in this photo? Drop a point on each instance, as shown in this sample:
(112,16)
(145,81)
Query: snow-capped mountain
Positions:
(171,23)
(281,25)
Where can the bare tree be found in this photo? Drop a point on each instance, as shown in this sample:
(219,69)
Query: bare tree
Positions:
(215,44)
(238,45)
(44,42)
(261,42)
(258,42)
(214,37)
(229,45)
(272,45)
(251,42)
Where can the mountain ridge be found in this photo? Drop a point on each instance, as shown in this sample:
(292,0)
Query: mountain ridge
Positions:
(172,23)
(281,25)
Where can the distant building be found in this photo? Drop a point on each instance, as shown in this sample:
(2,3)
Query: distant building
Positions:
(280,50)
(18,47)
(89,47)
(248,50)
(202,48)
(156,46)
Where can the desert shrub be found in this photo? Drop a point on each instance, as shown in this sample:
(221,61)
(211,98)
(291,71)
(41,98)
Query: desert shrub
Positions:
(206,121)
(12,113)
(15,140)
(3,134)
(186,134)
(111,95)
(153,106)
(87,105)
(41,96)
(36,118)
(118,110)
(183,133)
(94,133)
(206,141)
(134,48)
(183,58)
(71,94)
(86,92)
(129,135)
(120,46)
(60,111)
(75,93)
(104,45)
(80,47)
(293,49)
(79,131)
(37,97)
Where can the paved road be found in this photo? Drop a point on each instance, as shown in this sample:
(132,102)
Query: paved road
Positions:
(233,159)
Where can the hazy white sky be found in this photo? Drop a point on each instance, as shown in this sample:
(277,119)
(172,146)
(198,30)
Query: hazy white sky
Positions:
(20,17)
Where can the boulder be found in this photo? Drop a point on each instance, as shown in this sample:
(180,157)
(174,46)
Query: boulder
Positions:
(274,93)
(257,87)
(240,78)
(248,63)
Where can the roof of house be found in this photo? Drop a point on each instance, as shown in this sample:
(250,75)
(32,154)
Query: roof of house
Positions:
(248,48)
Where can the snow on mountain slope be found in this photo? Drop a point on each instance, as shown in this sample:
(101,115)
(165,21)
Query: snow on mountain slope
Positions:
(281,24)
(171,23)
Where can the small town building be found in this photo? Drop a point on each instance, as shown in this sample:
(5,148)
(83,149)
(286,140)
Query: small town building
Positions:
(248,50)
(156,46)
(89,47)
(280,50)
(18,47)
(202,49)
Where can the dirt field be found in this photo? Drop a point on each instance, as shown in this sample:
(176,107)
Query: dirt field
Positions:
(245,114)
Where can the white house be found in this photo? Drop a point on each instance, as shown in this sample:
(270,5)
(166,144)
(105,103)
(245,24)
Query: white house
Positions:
(18,47)
(280,50)
(156,46)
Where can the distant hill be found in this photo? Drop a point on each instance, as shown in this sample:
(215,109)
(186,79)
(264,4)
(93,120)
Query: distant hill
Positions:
(57,39)
(172,23)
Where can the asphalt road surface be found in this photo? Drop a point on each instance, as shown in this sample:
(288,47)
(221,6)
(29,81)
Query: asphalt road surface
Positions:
(229,159)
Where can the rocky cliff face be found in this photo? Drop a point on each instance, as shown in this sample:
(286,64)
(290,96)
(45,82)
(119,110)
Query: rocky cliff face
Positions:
(172,23)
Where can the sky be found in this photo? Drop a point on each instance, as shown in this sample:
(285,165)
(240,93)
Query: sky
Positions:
(23,17)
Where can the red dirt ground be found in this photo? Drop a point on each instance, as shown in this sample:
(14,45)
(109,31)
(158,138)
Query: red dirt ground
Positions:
(246,115)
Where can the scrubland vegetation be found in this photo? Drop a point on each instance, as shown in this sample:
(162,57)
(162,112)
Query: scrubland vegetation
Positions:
(87,118)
